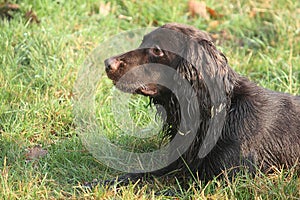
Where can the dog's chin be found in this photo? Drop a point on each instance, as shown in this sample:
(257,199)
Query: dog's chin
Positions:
(146,90)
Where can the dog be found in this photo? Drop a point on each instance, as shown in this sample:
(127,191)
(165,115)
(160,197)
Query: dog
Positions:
(247,126)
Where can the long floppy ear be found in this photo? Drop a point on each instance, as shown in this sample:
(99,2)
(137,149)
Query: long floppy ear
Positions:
(204,63)
(207,69)
(215,65)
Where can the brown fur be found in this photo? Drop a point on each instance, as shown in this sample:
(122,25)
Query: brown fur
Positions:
(261,128)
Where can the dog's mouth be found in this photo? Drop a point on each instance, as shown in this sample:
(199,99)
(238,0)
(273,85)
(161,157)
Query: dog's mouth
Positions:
(138,88)
(148,90)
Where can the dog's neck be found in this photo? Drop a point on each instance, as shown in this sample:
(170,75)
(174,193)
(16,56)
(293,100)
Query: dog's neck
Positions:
(246,97)
(173,117)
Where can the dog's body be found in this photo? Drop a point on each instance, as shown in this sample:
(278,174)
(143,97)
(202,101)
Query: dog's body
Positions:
(261,127)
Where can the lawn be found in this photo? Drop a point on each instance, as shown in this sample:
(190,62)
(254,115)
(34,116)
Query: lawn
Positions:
(42,52)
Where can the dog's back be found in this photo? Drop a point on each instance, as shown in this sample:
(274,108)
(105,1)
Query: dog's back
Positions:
(268,125)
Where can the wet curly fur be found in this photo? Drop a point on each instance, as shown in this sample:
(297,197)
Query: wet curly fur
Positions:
(261,129)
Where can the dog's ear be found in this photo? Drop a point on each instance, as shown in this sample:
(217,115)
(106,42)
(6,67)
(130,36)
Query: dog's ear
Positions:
(204,62)
(186,60)
(212,79)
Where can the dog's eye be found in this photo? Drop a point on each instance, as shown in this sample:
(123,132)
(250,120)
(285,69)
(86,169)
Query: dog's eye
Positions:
(157,51)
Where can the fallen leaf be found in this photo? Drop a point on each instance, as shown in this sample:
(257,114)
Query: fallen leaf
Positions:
(31,17)
(213,25)
(5,9)
(213,13)
(155,22)
(198,8)
(11,6)
(104,8)
(35,153)
(252,13)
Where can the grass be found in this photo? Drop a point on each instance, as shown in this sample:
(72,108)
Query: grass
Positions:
(39,64)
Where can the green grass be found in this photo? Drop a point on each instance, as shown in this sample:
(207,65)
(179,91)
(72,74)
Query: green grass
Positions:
(39,65)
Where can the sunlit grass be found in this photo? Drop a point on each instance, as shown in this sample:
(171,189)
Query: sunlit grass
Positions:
(39,64)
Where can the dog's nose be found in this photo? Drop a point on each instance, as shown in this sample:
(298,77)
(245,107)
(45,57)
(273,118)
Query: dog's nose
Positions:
(111,64)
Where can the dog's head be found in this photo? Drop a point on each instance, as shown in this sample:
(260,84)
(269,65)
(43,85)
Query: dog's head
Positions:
(179,47)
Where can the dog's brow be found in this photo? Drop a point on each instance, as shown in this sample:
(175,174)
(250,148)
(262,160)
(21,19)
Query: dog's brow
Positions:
(146,37)
(149,42)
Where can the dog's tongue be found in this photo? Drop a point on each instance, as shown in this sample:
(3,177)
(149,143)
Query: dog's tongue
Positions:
(149,91)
